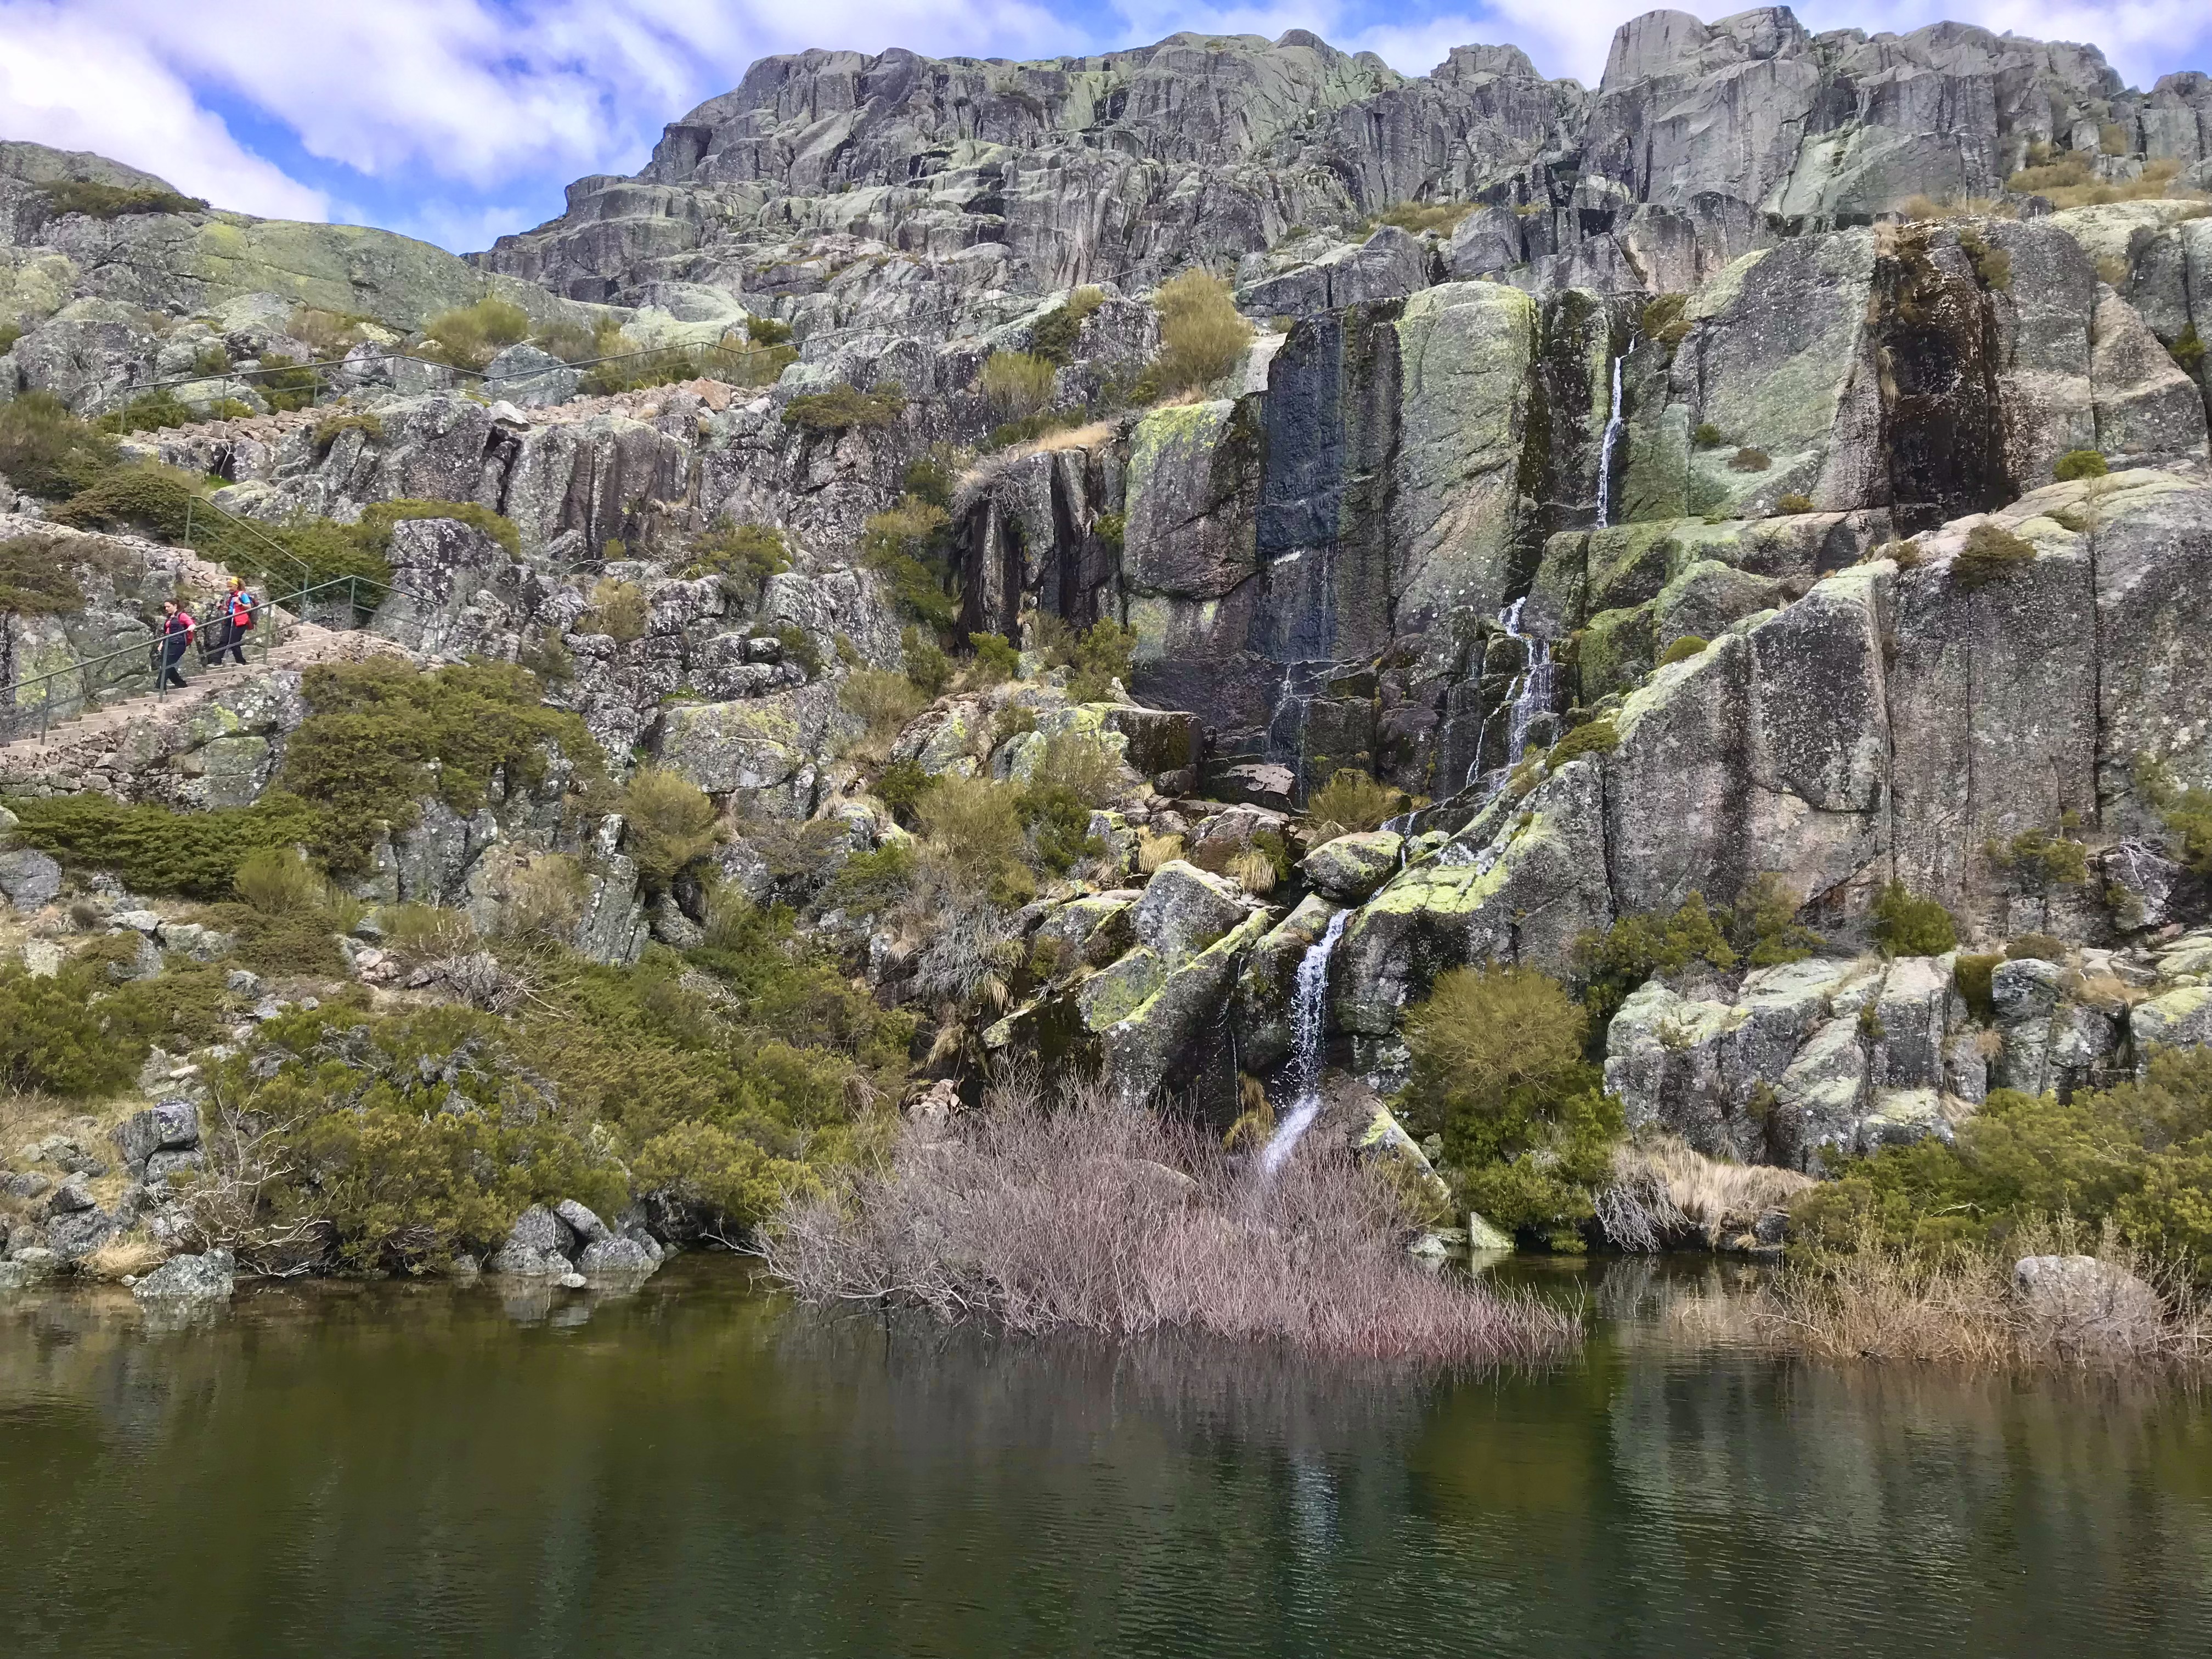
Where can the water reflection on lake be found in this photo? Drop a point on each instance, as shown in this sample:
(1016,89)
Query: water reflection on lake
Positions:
(696,1469)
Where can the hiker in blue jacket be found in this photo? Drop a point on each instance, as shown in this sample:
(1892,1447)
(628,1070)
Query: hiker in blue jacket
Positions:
(238,609)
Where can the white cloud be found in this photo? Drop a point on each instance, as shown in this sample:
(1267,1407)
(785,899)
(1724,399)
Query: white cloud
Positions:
(66,79)
(453,106)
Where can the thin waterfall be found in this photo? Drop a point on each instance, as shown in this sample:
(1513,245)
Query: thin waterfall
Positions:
(1607,445)
(1532,690)
(1309,1026)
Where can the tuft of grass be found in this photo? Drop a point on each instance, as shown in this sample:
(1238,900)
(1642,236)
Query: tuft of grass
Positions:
(1202,335)
(1991,554)
(844,409)
(469,336)
(1350,803)
(1016,383)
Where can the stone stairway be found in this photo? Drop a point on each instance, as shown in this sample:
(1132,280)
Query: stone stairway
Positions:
(78,751)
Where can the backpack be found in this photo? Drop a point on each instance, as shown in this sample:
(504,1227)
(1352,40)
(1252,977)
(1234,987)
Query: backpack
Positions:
(242,610)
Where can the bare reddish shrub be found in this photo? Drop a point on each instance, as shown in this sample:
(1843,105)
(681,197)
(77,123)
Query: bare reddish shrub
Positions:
(1081,1213)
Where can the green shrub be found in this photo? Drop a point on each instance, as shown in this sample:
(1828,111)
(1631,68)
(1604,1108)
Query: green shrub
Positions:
(1666,321)
(1611,964)
(1058,821)
(2039,860)
(54,1037)
(469,336)
(931,478)
(1498,1071)
(153,850)
(1708,436)
(1794,503)
(285,384)
(364,751)
(2137,1154)
(1016,383)
(903,783)
(746,554)
(47,452)
(185,1006)
(97,201)
(1908,927)
(668,822)
(996,659)
(148,412)
(9,333)
(1750,460)
(843,408)
(1202,336)
(631,369)
(2077,464)
(2038,947)
(36,575)
(1973,975)
(333,426)
(926,665)
(708,1168)
(378,517)
(1992,265)
(1094,658)
(869,883)
(1597,737)
(1688,646)
(882,700)
(1057,332)
(618,610)
(1764,929)
(1990,554)
(1080,765)
(543,655)
(326,334)
(2186,813)
(1350,803)
(907,545)
(767,331)
(974,826)
(573,342)
(799,649)
(2188,352)
(284,944)
(276,881)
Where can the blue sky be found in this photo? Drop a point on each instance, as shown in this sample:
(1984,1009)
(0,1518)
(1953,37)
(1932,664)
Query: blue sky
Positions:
(458,120)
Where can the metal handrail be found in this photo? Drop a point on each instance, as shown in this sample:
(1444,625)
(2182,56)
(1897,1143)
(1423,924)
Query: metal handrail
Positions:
(272,608)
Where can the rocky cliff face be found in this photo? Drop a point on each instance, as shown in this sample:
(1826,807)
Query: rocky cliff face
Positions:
(1681,444)
(963,183)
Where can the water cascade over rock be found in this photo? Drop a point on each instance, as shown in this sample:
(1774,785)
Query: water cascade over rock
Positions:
(1309,1028)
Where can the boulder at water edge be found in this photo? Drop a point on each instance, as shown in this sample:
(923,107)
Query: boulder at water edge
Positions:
(208,1277)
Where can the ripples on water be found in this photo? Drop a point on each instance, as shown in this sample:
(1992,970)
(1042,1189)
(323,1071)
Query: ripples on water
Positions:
(695,1470)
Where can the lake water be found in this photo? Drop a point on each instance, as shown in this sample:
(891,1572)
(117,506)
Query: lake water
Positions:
(696,1469)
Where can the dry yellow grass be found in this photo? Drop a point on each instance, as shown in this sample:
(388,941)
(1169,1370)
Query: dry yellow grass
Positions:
(1662,1188)
(1153,851)
(1958,1309)
(131,1256)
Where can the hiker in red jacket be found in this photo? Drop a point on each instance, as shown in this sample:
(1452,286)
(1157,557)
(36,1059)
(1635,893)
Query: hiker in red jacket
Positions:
(177,631)
(238,609)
